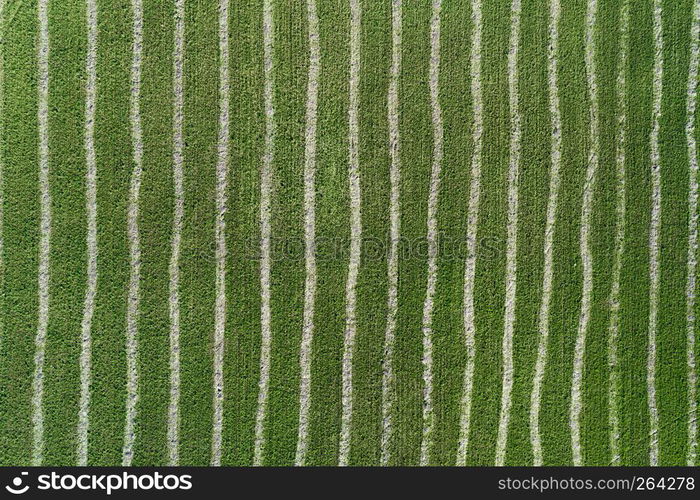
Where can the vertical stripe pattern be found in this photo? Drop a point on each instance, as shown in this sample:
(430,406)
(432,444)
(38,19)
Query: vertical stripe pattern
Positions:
(511,244)
(691,106)
(132,312)
(654,230)
(586,255)
(45,236)
(434,77)
(178,214)
(550,225)
(222,173)
(355,233)
(265,233)
(596,260)
(91,208)
(309,232)
(614,300)
(388,375)
(472,221)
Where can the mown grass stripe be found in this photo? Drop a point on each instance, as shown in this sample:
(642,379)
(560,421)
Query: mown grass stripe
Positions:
(20,235)
(620,210)
(114,158)
(178,215)
(309,232)
(21,198)
(654,230)
(449,352)
(637,234)
(242,336)
(2,172)
(68,256)
(595,437)
(155,220)
(432,234)
(567,280)
(586,255)
(388,375)
(550,226)
(266,231)
(671,375)
(533,185)
(634,282)
(45,238)
(355,233)
(473,220)
(222,175)
(200,250)
(332,235)
(91,209)
(512,230)
(490,271)
(371,289)
(691,106)
(287,219)
(132,313)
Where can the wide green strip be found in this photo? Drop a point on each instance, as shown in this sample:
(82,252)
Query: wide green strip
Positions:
(20,231)
(242,354)
(375,54)
(672,365)
(68,277)
(114,166)
(490,279)
(449,354)
(595,431)
(634,291)
(197,261)
(290,73)
(3,310)
(535,165)
(155,223)
(332,233)
(568,280)
(416,158)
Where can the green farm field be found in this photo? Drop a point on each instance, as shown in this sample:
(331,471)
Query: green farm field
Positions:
(349,232)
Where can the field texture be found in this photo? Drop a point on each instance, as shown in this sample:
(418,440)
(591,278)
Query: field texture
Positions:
(349,232)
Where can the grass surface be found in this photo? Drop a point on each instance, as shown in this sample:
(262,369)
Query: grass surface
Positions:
(196,291)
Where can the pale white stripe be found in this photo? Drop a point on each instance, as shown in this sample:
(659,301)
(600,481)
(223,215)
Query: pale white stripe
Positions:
(222,170)
(132,312)
(614,300)
(586,256)
(548,274)
(657,89)
(309,233)
(178,214)
(355,232)
(265,233)
(434,82)
(45,237)
(512,240)
(388,377)
(473,221)
(91,208)
(692,234)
